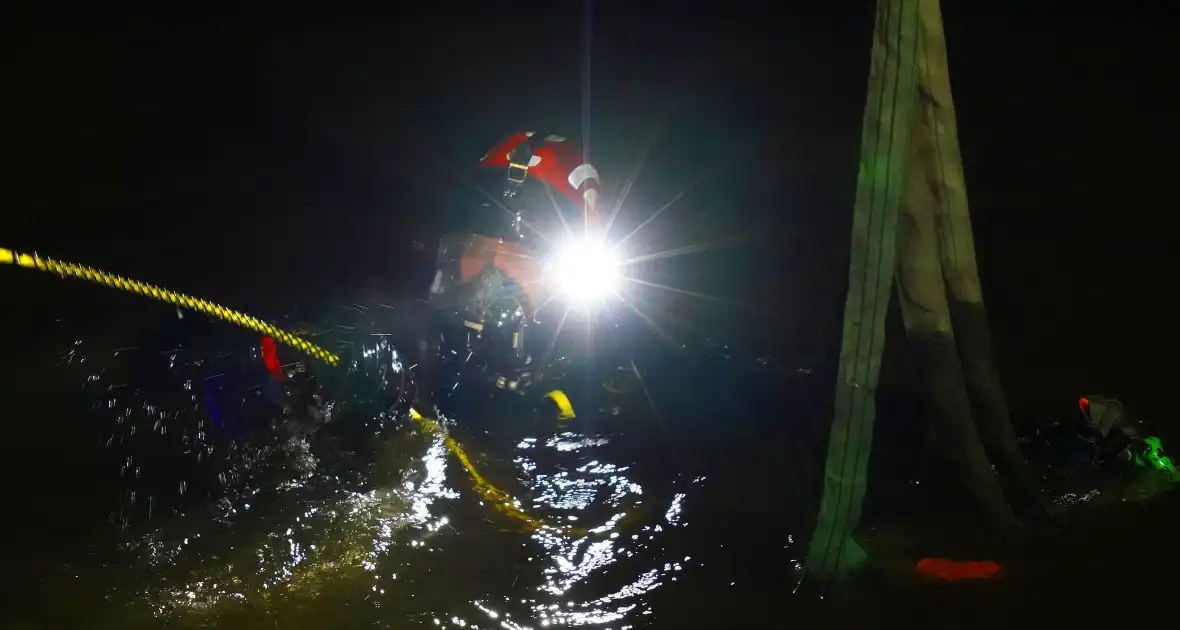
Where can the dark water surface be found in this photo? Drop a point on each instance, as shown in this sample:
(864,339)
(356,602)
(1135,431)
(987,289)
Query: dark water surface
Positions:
(154,479)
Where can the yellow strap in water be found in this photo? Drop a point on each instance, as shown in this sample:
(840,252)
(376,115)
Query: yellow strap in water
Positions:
(500,500)
(563,404)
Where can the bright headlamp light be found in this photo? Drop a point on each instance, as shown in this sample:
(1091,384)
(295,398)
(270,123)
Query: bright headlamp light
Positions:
(585,270)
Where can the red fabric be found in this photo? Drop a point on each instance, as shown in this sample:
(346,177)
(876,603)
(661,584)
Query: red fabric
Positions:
(557,159)
(498,155)
(270,356)
(954,570)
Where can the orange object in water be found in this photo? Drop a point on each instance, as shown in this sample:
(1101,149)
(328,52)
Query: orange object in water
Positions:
(270,356)
(954,570)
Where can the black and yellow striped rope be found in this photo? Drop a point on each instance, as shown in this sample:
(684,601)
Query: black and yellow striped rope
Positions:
(71,270)
(499,499)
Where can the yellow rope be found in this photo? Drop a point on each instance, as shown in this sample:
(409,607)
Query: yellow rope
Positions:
(499,499)
(71,270)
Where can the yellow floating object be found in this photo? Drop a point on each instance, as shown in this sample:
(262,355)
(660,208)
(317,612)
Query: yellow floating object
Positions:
(66,269)
(563,404)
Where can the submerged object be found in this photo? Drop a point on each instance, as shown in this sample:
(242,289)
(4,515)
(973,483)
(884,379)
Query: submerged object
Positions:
(957,570)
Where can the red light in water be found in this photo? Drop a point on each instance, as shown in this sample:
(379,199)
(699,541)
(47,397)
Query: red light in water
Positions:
(1083,403)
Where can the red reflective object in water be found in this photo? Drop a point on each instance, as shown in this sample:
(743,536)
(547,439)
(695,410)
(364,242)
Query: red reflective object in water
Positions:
(270,356)
(954,570)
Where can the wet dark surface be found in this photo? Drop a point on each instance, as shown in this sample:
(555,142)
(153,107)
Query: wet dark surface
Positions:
(153,478)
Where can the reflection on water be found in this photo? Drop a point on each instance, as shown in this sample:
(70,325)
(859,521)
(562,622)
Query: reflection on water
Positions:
(242,500)
(589,490)
(297,539)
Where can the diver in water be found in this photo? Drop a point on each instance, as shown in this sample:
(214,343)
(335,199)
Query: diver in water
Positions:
(502,244)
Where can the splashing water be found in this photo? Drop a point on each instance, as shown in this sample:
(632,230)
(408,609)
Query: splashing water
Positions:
(245,501)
